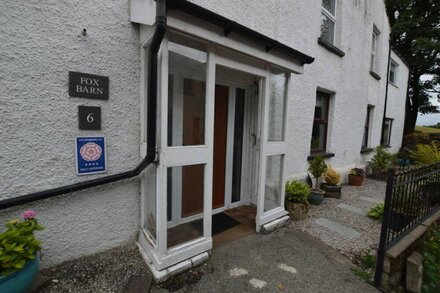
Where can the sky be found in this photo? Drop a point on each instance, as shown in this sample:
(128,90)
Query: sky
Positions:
(429,119)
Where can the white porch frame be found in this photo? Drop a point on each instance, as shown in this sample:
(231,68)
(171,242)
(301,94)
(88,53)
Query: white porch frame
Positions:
(157,251)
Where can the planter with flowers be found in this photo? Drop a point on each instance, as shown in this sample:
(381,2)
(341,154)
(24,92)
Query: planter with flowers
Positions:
(331,186)
(356,177)
(19,254)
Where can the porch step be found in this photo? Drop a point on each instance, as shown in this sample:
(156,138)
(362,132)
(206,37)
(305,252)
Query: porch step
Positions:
(338,228)
(352,209)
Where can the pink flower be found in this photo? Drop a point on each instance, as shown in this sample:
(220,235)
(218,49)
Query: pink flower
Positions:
(29,214)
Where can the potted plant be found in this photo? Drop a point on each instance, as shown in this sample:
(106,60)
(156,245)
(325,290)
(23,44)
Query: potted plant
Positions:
(18,254)
(296,199)
(317,168)
(356,176)
(331,186)
(381,162)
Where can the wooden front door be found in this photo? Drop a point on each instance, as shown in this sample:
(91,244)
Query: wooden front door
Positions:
(220,135)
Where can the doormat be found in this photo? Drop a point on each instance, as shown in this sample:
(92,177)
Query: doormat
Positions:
(220,223)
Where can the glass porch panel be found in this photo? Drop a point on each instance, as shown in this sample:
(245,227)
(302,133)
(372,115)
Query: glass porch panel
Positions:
(273,188)
(149,187)
(187,184)
(277,105)
(186,95)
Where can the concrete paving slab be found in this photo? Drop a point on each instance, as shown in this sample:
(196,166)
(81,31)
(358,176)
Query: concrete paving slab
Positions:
(338,228)
(352,209)
(371,199)
(260,255)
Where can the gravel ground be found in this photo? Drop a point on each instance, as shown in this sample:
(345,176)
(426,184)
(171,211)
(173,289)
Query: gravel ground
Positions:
(369,228)
(117,270)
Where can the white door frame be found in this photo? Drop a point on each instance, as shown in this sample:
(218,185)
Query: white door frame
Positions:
(161,256)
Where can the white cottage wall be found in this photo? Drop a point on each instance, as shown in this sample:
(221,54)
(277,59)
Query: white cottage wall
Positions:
(396,102)
(40,42)
(298,25)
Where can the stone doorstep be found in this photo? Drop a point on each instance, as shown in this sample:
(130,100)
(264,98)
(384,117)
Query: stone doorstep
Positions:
(161,276)
(271,226)
(412,237)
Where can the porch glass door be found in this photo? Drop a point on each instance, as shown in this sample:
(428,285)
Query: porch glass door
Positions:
(273,148)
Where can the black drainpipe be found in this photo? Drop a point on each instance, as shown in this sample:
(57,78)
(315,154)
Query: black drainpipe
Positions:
(386,92)
(160,27)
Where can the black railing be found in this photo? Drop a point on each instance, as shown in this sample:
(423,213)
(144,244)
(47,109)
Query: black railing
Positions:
(412,195)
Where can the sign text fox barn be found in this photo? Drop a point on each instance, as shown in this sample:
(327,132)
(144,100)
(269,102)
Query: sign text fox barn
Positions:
(83,85)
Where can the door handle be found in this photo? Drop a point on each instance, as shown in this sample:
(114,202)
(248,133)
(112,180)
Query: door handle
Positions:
(254,138)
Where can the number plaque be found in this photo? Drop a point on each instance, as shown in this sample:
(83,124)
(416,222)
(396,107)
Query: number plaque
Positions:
(89,118)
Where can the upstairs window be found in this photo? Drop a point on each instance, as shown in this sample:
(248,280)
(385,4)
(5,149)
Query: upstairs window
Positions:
(374,49)
(328,20)
(392,76)
(320,123)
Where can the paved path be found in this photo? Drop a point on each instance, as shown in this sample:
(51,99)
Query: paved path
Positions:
(286,260)
(343,223)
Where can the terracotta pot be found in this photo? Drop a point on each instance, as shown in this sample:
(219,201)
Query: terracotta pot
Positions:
(354,180)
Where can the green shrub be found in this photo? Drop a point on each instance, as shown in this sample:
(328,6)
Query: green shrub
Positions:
(376,212)
(425,154)
(18,243)
(367,264)
(317,168)
(296,191)
(431,261)
(382,160)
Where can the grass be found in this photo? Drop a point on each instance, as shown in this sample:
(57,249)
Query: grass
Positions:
(427,129)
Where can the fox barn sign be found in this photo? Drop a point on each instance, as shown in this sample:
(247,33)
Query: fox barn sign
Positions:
(83,85)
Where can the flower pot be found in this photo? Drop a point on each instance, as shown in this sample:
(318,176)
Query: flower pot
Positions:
(316,196)
(297,211)
(333,191)
(20,281)
(354,180)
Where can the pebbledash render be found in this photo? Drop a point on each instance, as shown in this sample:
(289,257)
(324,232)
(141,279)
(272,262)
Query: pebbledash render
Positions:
(247,92)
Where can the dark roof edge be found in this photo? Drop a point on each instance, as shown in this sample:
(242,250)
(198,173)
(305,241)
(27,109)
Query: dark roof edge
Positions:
(232,26)
(400,56)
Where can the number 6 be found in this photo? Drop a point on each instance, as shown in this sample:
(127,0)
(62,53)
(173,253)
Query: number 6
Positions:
(90,118)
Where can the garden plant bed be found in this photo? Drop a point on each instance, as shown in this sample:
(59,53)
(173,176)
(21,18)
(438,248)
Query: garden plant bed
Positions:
(343,223)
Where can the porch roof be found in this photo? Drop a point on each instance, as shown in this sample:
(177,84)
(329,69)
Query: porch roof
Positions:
(230,26)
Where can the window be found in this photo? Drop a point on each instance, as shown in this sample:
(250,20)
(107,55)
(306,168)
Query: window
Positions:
(386,132)
(320,123)
(392,76)
(367,127)
(374,49)
(328,20)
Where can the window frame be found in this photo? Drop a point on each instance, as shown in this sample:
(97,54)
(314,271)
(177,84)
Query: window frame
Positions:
(386,141)
(373,51)
(332,18)
(367,128)
(325,122)
(396,67)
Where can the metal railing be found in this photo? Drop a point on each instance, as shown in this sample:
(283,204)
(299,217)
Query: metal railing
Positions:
(412,195)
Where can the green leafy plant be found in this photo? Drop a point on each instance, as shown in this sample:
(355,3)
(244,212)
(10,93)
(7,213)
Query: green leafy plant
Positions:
(317,168)
(425,154)
(376,212)
(332,177)
(367,264)
(296,191)
(431,260)
(18,243)
(357,172)
(382,160)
